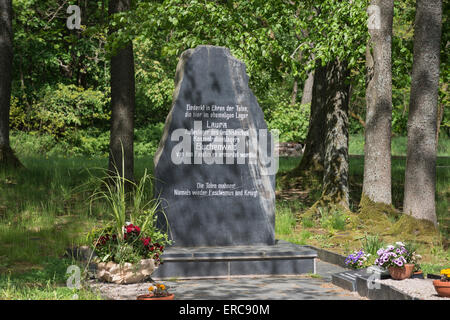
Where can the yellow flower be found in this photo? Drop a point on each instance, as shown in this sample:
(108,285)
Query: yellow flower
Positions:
(446,272)
(151,288)
(162,287)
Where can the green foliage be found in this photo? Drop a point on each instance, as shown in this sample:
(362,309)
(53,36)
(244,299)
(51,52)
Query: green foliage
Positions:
(291,120)
(69,107)
(307,222)
(46,283)
(371,244)
(147,139)
(131,233)
(336,220)
(284,220)
(154,84)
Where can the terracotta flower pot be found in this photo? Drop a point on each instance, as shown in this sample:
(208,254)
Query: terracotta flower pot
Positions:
(401,273)
(152,297)
(442,288)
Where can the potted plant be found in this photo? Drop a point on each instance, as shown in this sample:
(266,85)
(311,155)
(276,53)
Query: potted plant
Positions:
(128,252)
(442,286)
(127,259)
(157,292)
(397,260)
(357,260)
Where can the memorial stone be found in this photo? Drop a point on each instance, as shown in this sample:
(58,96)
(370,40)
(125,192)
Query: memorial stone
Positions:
(216,163)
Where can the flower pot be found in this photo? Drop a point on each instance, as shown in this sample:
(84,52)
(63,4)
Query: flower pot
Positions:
(152,297)
(442,288)
(401,273)
(126,273)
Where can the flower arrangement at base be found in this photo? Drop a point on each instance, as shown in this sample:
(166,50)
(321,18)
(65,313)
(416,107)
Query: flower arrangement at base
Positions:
(398,260)
(157,292)
(357,260)
(128,252)
(442,286)
(127,259)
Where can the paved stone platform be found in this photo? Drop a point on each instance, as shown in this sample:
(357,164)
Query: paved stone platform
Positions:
(303,287)
(281,259)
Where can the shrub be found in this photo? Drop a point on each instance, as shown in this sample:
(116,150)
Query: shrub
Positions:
(147,139)
(291,120)
(66,107)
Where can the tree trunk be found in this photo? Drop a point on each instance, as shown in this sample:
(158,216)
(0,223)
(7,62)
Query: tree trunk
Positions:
(7,157)
(308,88)
(122,104)
(377,147)
(313,157)
(294,92)
(440,114)
(335,179)
(420,173)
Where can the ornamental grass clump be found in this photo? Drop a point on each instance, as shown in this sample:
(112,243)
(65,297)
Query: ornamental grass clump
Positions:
(140,238)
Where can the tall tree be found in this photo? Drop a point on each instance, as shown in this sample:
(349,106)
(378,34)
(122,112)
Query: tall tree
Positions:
(420,172)
(7,157)
(313,157)
(335,178)
(308,88)
(377,148)
(121,153)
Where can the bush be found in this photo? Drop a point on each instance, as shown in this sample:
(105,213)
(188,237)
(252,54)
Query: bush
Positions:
(291,120)
(147,139)
(66,107)
(89,142)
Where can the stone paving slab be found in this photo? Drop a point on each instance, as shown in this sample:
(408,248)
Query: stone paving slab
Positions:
(288,288)
(303,287)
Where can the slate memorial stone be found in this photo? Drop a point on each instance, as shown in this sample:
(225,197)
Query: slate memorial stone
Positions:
(216,162)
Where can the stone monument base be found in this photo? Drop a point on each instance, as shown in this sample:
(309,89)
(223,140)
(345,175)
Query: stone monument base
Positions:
(281,259)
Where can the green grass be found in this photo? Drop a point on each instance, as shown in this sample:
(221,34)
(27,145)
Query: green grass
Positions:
(48,282)
(436,255)
(43,211)
(285,219)
(398,145)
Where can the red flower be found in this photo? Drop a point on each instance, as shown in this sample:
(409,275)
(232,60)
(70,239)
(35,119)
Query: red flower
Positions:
(152,248)
(145,241)
(137,229)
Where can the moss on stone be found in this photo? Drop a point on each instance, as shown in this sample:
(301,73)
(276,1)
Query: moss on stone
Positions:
(379,217)
(410,228)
